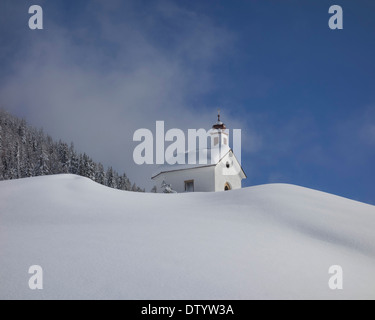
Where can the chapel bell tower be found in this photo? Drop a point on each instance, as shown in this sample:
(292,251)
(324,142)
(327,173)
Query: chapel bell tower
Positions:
(219,134)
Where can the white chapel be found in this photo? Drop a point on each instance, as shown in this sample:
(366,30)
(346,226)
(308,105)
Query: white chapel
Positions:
(221,172)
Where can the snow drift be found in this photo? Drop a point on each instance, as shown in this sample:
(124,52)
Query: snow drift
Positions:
(265,242)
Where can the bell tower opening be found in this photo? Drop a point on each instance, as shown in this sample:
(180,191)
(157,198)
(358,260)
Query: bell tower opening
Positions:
(219,133)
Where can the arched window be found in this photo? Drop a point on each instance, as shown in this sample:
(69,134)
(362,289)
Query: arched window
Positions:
(227,187)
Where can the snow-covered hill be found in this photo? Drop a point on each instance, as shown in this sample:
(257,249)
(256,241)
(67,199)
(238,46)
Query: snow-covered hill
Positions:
(269,241)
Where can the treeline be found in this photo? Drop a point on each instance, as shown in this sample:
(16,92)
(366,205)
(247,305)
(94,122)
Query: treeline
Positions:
(29,152)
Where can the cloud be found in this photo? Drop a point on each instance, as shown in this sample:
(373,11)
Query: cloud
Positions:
(277,177)
(369,133)
(367,127)
(98,75)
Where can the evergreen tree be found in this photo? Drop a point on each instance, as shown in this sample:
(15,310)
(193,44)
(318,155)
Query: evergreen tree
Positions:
(100,174)
(110,178)
(74,160)
(28,152)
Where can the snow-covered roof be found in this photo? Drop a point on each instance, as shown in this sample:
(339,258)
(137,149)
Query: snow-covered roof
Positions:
(213,156)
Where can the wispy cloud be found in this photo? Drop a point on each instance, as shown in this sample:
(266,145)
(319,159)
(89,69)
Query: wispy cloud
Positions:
(114,69)
(367,126)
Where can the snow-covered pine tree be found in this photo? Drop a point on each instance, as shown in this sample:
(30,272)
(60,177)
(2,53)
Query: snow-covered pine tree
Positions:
(63,157)
(74,160)
(100,174)
(28,152)
(110,178)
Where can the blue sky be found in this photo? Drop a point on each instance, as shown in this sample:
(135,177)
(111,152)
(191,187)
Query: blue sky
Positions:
(303,95)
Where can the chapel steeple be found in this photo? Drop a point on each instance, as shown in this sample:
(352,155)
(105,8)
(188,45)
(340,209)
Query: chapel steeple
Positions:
(219,134)
(219,124)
